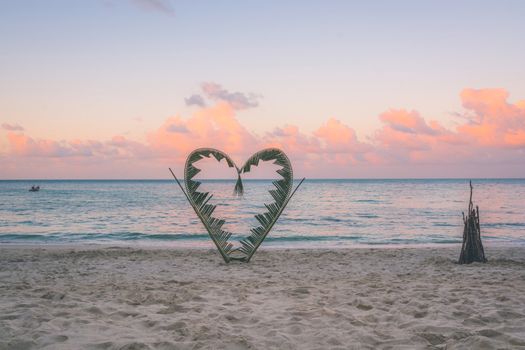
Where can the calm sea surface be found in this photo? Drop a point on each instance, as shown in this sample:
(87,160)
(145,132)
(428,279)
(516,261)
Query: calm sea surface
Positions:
(322,213)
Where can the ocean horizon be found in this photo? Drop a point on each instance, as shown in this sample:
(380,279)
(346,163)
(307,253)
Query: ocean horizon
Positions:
(323,213)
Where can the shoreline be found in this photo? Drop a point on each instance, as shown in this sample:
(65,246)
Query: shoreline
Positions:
(266,246)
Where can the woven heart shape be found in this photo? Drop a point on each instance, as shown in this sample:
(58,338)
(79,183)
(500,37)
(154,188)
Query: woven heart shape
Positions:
(214,225)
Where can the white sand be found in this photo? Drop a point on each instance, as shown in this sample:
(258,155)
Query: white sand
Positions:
(130,298)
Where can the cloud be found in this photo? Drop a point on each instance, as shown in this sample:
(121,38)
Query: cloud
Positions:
(406,138)
(195,100)
(177,126)
(117,147)
(495,121)
(23,145)
(407,122)
(491,127)
(215,126)
(404,131)
(336,136)
(237,100)
(12,127)
(340,144)
(217,93)
(163,6)
(332,144)
(515,138)
(291,139)
(406,144)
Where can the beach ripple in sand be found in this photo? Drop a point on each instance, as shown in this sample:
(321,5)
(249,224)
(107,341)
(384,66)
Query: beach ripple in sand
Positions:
(130,298)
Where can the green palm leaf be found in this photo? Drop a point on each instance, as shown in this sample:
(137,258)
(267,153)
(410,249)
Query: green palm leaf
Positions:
(281,195)
(199,200)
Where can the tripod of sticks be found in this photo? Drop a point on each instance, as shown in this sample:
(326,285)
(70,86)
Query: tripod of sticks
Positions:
(472,248)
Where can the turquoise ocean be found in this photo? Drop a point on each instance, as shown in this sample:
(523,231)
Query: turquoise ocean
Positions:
(323,213)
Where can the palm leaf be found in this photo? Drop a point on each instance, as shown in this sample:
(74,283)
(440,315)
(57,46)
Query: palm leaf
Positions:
(199,200)
(281,195)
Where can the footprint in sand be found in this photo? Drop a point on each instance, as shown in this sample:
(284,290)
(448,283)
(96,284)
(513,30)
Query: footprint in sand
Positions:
(364,307)
(420,314)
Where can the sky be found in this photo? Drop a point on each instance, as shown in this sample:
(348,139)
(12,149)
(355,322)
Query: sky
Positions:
(109,89)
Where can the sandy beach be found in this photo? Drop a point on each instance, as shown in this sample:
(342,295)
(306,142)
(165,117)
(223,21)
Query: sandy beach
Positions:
(104,297)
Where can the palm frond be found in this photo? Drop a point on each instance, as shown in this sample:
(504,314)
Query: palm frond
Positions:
(199,200)
(280,194)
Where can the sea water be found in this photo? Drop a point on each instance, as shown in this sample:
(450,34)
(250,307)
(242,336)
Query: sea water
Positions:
(322,213)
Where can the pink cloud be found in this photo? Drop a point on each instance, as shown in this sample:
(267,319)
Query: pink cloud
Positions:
(515,138)
(409,122)
(496,122)
(291,139)
(336,136)
(340,144)
(117,147)
(493,133)
(215,126)
(404,135)
(23,145)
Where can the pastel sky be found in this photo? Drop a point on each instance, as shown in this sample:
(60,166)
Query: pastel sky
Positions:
(349,89)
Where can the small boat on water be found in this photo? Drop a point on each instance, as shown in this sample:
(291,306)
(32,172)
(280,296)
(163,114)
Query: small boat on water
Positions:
(34,189)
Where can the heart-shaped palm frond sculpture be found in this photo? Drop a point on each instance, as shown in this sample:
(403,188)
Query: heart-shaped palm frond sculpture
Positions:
(200,200)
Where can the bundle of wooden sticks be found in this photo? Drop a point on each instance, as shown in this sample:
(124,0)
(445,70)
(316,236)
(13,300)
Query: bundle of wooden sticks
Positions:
(472,248)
